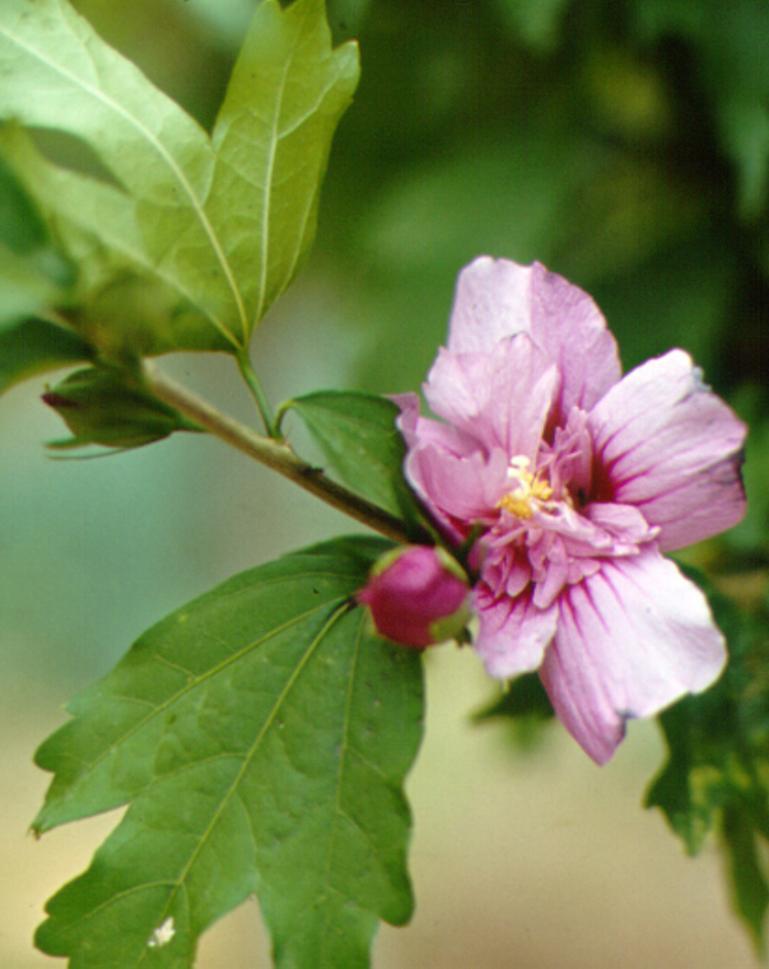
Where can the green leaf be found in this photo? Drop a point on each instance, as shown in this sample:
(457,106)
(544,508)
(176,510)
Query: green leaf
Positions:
(121,302)
(717,772)
(21,228)
(357,434)
(226,223)
(24,288)
(33,346)
(272,140)
(32,273)
(750,890)
(262,735)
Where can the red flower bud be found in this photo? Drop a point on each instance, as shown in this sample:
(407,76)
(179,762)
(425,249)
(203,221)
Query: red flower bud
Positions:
(417,596)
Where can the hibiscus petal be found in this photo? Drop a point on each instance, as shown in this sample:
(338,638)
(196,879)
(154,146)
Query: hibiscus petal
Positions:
(498,298)
(624,523)
(502,399)
(568,325)
(491,302)
(464,488)
(669,446)
(513,633)
(421,430)
(631,639)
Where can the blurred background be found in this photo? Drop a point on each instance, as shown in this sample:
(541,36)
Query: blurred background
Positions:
(625,143)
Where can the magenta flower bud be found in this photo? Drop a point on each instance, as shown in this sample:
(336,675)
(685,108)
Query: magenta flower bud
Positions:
(418,596)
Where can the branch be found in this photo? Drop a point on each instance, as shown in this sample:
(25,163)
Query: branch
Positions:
(275,454)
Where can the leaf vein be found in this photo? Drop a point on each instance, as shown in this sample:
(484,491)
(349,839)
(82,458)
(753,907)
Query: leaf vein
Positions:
(234,786)
(176,170)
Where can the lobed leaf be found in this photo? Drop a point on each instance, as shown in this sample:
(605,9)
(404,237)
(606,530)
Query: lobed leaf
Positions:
(224,221)
(261,734)
(358,437)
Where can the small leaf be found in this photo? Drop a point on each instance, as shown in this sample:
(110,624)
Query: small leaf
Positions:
(33,346)
(358,437)
(262,735)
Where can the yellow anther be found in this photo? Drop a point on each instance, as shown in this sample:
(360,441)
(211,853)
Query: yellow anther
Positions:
(541,490)
(529,489)
(517,505)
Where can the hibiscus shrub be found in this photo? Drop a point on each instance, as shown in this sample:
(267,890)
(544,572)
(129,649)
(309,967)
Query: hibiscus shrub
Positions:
(260,735)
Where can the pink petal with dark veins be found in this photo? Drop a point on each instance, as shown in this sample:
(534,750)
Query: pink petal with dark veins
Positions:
(631,639)
(672,448)
(513,634)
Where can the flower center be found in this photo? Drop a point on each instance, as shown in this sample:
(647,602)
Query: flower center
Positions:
(528,491)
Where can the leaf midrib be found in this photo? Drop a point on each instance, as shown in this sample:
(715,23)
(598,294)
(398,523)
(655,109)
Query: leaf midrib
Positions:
(195,682)
(175,169)
(267,198)
(338,613)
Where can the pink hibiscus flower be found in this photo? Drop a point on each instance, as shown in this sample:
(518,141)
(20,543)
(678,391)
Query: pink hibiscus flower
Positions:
(579,479)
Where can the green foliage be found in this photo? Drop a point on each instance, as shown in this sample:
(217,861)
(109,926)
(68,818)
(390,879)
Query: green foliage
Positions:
(32,347)
(224,220)
(24,288)
(32,273)
(261,735)
(717,772)
(536,22)
(21,228)
(732,64)
(121,301)
(109,407)
(358,437)
(271,143)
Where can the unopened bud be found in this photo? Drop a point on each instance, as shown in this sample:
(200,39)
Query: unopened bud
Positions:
(418,596)
(104,406)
